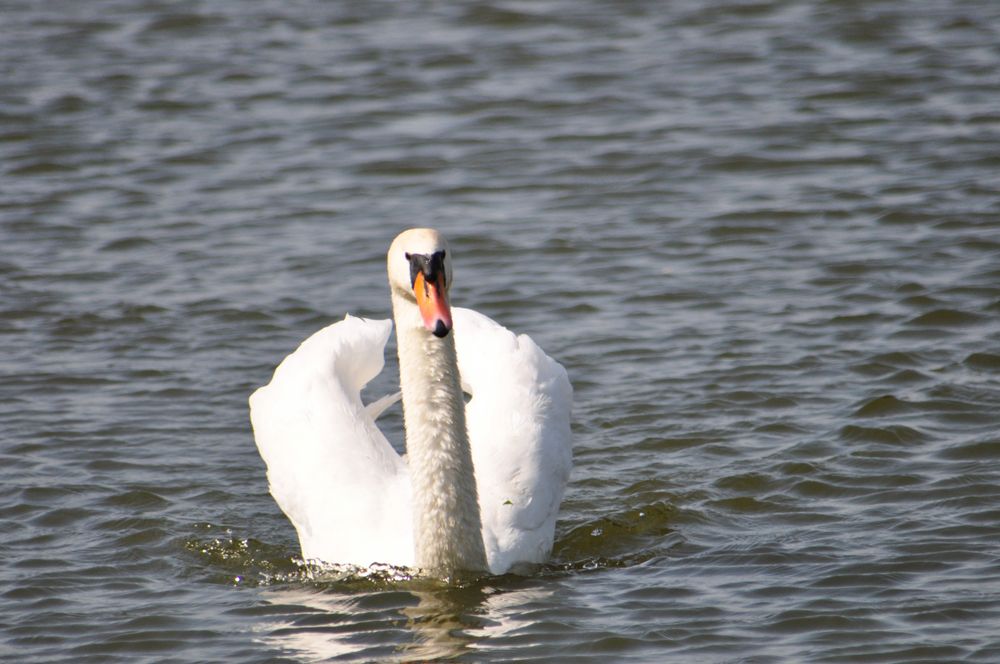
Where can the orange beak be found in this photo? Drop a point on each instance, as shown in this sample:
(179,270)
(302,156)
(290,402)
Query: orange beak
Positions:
(433,303)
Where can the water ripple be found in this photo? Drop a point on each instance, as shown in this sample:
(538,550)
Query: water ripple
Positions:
(760,236)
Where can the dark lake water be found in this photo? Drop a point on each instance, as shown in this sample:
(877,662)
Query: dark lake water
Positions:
(763,236)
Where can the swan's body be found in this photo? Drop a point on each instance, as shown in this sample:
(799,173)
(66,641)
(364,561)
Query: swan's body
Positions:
(481,484)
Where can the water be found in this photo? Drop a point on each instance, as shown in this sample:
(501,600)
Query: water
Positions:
(761,236)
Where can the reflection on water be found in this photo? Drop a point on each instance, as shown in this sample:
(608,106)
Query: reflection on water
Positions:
(440,622)
(432,622)
(506,612)
(316,643)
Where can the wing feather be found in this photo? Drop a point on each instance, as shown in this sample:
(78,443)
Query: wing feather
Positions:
(330,469)
(519,429)
(345,489)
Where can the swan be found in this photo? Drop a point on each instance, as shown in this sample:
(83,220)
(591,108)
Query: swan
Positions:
(480,484)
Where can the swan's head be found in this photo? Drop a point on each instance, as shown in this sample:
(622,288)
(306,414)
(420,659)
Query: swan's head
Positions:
(420,270)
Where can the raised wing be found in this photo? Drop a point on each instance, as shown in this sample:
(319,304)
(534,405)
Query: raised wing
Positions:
(519,429)
(330,469)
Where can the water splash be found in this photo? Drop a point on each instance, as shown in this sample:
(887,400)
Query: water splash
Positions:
(623,539)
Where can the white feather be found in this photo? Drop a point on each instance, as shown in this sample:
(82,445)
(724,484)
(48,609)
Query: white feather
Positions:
(348,493)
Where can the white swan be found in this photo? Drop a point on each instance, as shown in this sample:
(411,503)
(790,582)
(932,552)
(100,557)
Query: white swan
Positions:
(480,486)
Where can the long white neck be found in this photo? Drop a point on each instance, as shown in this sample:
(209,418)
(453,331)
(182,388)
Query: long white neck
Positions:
(447,526)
